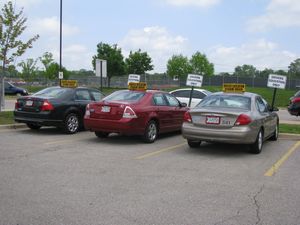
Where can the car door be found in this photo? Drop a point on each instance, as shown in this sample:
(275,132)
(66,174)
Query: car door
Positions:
(268,117)
(163,112)
(82,98)
(176,112)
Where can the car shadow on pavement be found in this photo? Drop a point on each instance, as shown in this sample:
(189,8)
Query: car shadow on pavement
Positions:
(220,150)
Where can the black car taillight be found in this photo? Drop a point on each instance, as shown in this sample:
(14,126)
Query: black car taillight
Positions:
(47,106)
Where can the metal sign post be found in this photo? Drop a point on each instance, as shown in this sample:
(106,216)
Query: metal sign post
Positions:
(101,70)
(193,80)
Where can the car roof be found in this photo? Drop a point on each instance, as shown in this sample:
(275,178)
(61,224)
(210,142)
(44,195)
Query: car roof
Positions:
(246,94)
(188,89)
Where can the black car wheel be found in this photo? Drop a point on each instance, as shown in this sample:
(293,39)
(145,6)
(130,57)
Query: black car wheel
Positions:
(33,126)
(256,147)
(194,144)
(100,134)
(71,124)
(151,132)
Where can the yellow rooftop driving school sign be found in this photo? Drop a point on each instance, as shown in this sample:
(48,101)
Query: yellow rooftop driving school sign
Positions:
(233,87)
(69,83)
(137,86)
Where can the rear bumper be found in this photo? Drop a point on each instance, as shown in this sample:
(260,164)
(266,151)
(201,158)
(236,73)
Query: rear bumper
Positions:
(40,119)
(234,135)
(122,126)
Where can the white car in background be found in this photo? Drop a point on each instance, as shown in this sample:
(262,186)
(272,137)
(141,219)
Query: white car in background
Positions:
(183,95)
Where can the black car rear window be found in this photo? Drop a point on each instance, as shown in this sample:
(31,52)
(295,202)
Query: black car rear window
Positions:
(125,95)
(226,101)
(53,92)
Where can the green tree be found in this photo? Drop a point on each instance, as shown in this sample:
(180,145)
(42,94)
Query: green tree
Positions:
(29,69)
(113,56)
(265,73)
(245,71)
(47,59)
(179,66)
(294,68)
(200,64)
(138,62)
(13,27)
(11,45)
(53,69)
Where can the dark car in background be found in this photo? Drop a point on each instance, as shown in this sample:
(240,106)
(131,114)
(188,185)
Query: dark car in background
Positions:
(294,104)
(127,112)
(11,89)
(56,106)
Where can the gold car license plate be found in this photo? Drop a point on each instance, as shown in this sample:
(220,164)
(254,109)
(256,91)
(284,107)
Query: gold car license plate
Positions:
(213,120)
(105,109)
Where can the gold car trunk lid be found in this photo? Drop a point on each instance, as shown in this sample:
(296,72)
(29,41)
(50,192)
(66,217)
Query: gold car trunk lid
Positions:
(214,119)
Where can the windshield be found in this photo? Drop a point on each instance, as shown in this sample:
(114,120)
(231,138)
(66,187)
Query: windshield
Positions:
(125,95)
(52,92)
(226,101)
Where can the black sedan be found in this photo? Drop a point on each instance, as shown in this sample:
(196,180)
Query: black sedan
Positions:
(56,106)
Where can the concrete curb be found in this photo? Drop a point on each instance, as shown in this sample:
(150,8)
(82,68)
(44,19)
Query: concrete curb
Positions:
(13,126)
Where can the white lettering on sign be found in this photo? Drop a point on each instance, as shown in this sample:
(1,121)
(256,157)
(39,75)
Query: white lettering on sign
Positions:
(276,81)
(133,78)
(194,80)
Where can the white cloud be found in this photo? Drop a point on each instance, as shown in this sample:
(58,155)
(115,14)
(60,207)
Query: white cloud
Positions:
(157,42)
(50,26)
(261,54)
(279,13)
(27,3)
(198,3)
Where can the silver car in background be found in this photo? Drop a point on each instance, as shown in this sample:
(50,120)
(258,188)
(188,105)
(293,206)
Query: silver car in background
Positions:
(237,118)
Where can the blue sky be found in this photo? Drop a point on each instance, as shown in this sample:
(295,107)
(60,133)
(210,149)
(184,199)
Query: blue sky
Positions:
(263,33)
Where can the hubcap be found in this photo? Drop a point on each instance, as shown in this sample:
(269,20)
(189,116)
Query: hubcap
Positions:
(152,132)
(260,140)
(72,123)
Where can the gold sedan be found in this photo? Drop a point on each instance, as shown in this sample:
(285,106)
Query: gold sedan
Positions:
(237,118)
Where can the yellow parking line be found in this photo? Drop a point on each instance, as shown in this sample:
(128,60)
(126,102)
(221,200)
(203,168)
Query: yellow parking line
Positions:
(160,151)
(276,166)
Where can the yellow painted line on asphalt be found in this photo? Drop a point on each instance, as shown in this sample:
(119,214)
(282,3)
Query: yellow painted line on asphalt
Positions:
(277,165)
(160,151)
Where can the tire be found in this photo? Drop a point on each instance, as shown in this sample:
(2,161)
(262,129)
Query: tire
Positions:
(33,126)
(151,132)
(194,144)
(100,134)
(71,123)
(256,147)
(274,136)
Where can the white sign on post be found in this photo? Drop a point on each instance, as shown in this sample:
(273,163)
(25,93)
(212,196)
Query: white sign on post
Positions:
(133,78)
(101,68)
(276,81)
(194,80)
(60,75)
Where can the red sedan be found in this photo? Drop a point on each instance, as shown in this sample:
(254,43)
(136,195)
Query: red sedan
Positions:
(145,113)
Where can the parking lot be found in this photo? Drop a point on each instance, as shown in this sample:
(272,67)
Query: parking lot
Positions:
(51,178)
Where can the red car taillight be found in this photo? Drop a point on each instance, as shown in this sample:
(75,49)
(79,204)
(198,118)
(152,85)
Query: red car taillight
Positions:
(17,105)
(47,106)
(242,120)
(129,113)
(187,117)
